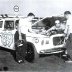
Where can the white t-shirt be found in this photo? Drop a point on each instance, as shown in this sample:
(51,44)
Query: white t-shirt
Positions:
(68,28)
(24,25)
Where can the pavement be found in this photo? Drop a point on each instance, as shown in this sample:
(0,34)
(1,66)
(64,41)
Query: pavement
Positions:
(43,64)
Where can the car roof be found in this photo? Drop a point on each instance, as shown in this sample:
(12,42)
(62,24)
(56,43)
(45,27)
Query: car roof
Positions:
(9,18)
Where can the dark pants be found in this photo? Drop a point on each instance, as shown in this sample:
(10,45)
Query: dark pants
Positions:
(69,46)
(20,50)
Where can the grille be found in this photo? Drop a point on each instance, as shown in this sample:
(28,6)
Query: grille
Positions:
(58,40)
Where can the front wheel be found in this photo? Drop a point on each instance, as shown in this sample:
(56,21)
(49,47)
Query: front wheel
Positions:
(31,54)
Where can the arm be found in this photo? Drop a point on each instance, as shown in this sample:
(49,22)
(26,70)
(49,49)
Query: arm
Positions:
(19,31)
(66,31)
(52,28)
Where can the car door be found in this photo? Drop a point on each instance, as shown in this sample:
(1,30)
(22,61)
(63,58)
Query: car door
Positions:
(7,35)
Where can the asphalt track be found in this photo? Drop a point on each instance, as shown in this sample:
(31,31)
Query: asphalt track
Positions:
(44,64)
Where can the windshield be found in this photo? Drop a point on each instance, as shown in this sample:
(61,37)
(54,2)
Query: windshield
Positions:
(1,23)
(9,25)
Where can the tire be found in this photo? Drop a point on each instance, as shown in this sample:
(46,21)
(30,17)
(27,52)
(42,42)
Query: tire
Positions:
(31,53)
(13,53)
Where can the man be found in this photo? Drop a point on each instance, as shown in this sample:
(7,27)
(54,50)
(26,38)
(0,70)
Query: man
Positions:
(68,34)
(24,27)
(56,27)
(68,28)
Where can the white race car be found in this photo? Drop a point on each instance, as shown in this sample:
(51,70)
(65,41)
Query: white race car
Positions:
(36,42)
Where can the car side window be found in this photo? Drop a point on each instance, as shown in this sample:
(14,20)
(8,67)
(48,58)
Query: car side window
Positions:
(9,25)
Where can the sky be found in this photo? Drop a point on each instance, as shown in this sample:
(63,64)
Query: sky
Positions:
(41,8)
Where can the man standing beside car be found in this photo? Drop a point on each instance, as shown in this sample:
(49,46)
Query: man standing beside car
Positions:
(24,27)
(68,34)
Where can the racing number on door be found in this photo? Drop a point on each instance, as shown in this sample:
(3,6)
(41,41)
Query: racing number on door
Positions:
(7,39)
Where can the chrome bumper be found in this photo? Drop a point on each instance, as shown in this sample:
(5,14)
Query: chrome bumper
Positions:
(52,51)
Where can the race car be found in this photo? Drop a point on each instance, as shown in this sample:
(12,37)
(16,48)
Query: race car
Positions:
(38,43)
(32,44)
